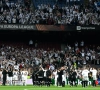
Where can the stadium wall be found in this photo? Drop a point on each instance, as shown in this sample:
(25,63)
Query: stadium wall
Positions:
(40,27)
(29,82)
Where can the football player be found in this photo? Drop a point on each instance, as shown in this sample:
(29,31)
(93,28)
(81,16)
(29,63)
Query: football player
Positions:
(94,76)
(85,77)
(10,75)
(15,77)
(24,74)
(55,76)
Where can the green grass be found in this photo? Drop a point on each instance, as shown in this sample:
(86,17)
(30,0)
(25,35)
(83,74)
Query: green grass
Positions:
(47,88)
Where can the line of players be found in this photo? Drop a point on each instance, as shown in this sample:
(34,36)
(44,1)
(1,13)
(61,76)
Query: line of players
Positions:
(41,76)
(44,76)
(14,77)
(92,73)
(86,74)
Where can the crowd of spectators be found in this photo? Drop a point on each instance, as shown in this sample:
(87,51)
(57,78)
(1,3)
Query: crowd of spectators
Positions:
(19,12)
(76,14)
(21,57)
(15,12)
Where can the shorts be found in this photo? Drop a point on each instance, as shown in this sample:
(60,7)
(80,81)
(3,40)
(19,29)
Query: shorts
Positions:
(85,78)
(9,78)
(15,78)
(24,78)
(94,77)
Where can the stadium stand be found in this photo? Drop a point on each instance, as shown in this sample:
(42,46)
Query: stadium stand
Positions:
(51,49)
(29,57)
(14,11)
(50,12)
(15,49)
(72,14)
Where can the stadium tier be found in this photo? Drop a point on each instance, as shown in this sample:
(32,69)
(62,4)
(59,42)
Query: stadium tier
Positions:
(50,12)
(49,43)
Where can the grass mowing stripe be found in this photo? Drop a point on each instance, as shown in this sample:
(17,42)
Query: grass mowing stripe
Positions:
(47,88)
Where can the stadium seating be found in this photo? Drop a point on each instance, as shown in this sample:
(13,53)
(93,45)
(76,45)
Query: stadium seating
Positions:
(50,12)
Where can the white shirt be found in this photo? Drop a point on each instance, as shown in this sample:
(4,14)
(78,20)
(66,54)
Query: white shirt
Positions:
(15,73)
(24,73)
(64,73)
(51,67)
(76,44)
(55,75)
(82,43)
(92,57)
(94,72)
(3,53)
(37,62)
(85,72)
(50,10)
(30,42)
(56,55)
(0,73)
(14,20)
(16,67)
(83,54)
(89,54)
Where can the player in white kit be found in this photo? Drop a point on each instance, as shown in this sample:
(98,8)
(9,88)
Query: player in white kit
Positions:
(55,76)
(64,76)
(94,76)
(85,77)
(24,74)
(15,77)
(19,77)
(10,75)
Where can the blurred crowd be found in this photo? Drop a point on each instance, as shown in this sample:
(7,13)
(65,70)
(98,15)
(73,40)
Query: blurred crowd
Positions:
(31,57)
(20,12)
(15,12)
(70,14)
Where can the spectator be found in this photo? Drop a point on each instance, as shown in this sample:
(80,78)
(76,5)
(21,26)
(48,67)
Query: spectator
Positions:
(19,12)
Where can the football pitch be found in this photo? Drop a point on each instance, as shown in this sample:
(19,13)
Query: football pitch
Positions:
(47,88)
